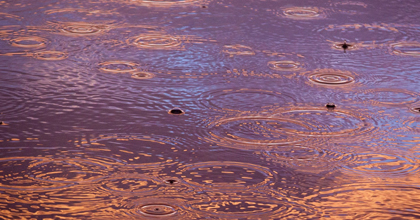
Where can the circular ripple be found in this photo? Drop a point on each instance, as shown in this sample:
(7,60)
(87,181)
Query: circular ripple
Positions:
(50,55)
(303,13)
(14,175)
(243,99)
(388,97)
(370,199)
(6,15)
(14,101)
(412,125)
(285,65)
(255,205)
(142,75)
(254,132)
(158,206)
(386,164)
(165,3)
(238,49)
(308,159)
(226,175)
(323,122)
(118,66)
(160,210)
(82,29)
(68,170)
(138,152)
(39,173)
(129,183)
(406,48)
(29,42)
(156,41)
(329,77)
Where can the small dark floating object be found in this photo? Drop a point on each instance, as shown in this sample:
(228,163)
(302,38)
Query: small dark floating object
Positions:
(171,181)
(416,109)
(345,46)
(203,6)
(330,105)
(176,111)
(1,122)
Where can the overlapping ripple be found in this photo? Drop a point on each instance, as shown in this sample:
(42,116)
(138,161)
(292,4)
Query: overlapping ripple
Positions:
(232,99)
(226,175)
(388,97)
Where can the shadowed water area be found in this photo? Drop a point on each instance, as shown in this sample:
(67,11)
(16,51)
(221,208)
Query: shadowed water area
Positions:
(204,109)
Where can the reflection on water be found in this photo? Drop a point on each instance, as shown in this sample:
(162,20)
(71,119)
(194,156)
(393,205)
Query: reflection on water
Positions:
(201,109)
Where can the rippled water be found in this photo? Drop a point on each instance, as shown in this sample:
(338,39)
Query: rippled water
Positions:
(202,109)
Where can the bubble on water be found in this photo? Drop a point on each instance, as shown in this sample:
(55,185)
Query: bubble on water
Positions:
(406,48)
(29,42)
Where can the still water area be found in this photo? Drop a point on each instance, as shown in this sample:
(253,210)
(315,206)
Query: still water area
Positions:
(205,109)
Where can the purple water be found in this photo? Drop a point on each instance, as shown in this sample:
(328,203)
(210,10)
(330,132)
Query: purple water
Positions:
(201,109)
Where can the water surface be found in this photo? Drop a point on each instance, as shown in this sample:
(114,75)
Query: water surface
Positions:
(197,109)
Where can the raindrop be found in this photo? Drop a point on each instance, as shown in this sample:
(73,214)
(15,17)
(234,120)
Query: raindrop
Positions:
(160,210)
(171,181)
(142,75)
